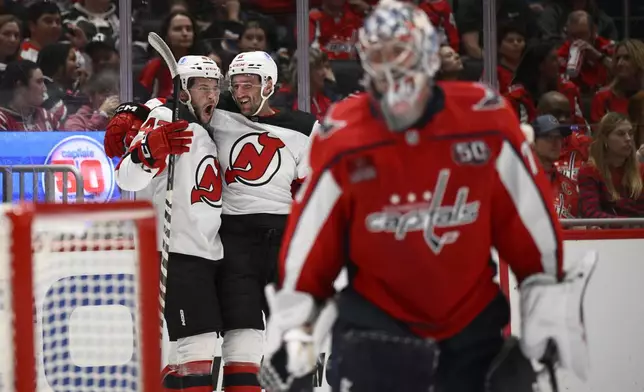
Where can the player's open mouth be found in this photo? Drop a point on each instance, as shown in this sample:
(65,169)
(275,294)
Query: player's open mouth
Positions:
(209,109)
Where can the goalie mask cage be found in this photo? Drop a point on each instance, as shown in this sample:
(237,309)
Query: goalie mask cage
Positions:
(79,286)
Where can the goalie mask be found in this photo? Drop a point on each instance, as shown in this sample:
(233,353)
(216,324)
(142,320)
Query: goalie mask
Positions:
(190,67)
(398,48)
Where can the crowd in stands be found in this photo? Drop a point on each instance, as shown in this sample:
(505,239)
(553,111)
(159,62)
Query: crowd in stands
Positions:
(562,64)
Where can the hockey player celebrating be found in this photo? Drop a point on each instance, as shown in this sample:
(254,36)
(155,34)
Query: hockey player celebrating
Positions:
(192,309)
(410,187)
(263,159)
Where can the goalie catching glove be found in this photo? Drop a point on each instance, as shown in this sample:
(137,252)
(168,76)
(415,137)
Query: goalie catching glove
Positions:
(157,144)
(552,312)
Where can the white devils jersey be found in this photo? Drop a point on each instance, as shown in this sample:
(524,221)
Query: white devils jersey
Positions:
(261,160)
(197,191)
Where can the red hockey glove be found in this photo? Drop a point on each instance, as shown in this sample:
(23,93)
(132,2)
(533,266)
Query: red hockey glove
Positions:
(123,127)
(160,142)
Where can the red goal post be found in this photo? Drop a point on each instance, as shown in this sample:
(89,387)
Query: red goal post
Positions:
(79,307)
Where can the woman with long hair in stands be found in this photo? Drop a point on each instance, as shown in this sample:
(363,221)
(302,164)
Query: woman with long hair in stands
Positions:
(628,70)
(22,92)
(180,31)
(610,186)
(10,39)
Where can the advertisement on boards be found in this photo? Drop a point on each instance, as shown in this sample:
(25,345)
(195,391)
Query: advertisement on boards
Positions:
(84,150)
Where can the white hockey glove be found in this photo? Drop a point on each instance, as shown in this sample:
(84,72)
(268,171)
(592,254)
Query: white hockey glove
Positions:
(552,311)
(291,332)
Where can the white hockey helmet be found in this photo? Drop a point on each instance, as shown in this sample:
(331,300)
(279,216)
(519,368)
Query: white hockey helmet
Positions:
(197,67)
(398,48)
(255,63)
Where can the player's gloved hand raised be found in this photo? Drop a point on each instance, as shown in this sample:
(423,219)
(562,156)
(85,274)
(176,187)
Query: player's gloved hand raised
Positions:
(123,127)
(156,145)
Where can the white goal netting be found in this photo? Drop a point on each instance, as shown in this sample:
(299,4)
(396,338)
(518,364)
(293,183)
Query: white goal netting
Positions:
(87,318)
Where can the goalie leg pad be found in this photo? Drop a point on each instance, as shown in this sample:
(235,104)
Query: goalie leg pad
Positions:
(374,361)
(511,371)
(189,377)
(241,377)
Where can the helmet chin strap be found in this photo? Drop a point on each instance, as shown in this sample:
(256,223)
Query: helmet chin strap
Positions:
(264,98)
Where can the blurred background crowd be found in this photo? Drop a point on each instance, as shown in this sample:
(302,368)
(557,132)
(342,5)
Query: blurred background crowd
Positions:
(580,61)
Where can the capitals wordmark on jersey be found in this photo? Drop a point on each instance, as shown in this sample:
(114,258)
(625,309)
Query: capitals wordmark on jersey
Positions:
(207,187)
(427,214)
(255,158)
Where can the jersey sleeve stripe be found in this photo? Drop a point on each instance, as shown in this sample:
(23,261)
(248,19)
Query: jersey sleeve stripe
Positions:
(529,205)
(318,208)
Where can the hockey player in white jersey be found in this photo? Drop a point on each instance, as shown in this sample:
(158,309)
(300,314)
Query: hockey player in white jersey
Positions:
(192,310)
(263,154)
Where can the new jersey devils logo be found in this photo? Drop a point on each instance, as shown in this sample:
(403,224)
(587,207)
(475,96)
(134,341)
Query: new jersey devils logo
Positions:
(254,159)
(207,187)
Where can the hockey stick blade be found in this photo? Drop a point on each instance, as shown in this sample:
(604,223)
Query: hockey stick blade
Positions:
(164,51)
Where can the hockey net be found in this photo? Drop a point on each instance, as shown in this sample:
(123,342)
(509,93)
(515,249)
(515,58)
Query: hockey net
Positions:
(79,298)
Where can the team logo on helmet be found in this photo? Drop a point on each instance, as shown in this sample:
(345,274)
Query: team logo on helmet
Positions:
(255,158)
(88,157)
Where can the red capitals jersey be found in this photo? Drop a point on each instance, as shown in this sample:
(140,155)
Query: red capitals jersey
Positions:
(442,17)
(574,155)
(526,107)
(38,120)
(504,76)
(156,78)
(593,74)
(334,36)
(420,239)
(566,195)
(606,101)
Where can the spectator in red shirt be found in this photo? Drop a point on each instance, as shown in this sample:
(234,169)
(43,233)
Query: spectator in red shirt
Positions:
(451,64)
(179,32)
(574,151)
(611,185)
(441,15)
(595,53)
(22,94)
(536,75)
(102,91)
(628,70)
(511,43)
(320,78)
(548,141)
(333,28)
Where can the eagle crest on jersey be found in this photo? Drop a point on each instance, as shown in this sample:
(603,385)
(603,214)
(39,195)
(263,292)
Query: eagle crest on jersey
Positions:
(255,158)
(207,187)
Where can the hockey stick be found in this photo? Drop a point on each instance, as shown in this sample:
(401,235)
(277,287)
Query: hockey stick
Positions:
(166,54)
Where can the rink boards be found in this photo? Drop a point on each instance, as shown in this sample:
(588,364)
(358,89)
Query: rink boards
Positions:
(613,309)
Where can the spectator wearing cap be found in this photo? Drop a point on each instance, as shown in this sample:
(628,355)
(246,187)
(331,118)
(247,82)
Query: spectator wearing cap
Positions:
(60,68)
(102,53)
(94,17)
(610,186)
(628,70)
(549,134)
(10,38)
(574,152)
